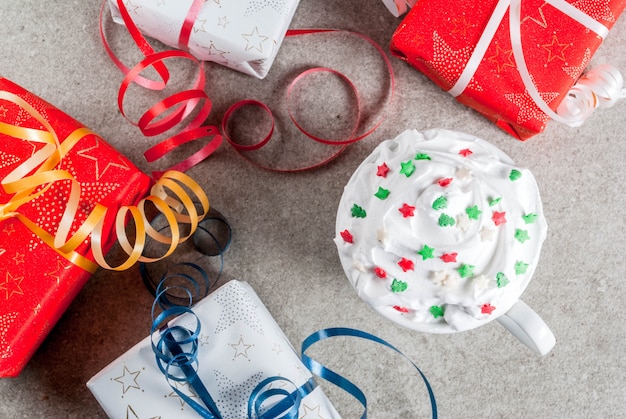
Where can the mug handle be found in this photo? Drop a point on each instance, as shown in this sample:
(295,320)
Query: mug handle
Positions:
(528,327)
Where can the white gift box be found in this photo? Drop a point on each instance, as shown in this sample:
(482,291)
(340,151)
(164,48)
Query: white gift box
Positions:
(244,35)
(240,345)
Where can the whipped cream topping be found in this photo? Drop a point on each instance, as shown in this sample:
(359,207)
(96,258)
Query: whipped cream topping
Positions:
(440,231)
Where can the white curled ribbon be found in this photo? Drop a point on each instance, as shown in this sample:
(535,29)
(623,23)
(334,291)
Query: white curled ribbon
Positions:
(602,86)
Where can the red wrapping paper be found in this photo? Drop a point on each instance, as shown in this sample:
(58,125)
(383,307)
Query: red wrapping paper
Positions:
(556,48)
(37,283)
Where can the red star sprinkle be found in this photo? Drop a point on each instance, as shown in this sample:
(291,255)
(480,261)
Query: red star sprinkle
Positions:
(382,170)
(380,272)
(401,309)
(465,152)
(407,210)
(449,257)
(498,217)
(487,308)
(443,182)
(347,237)
(406,264)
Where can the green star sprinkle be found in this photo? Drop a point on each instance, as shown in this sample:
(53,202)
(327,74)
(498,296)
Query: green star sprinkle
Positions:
(427,252)
(358,212)
(446,221)
(473,212)
(382,193)
(466,270)
(501,280)
(422,156)
(521,235)
(494,201)
(529,218)
(515,174)
(440,203)
(407,168)
(398,286)
(436,311)
(520,267)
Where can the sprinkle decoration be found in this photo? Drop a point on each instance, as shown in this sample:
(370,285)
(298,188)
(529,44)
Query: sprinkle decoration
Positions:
(440,203)
(446,221)
(358,212)
(398,286)
(422,156)
(380,272)
(407,168)
(494,201)
(473,212)
(449,257)
(407,210)
(501,280)
(444,182)
(401,309)
(466,152)
(521,235)
(406,264)
(382,170)
(515,175)
(529,218)
(487,309)
(520,267)
(466,270)
(347,236)
(436,311)
(498,218)
(426,252)
(382,193)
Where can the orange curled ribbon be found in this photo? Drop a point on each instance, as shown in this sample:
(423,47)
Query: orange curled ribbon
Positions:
(169,195)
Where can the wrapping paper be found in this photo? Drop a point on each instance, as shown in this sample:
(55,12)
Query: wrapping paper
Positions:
(37,283)
(240,345)
(242,35)
(556,48)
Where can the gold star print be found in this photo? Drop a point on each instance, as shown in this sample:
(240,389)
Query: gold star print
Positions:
(204,340)
(540,19)
(58,272)
(18,258)
(11,285)
(555,49)
(184,388)
(130,414)
(8,230)
(128,381)
(241,348)
(212,50)
(277,349)
(199,25)
(460,25)
(254,40)
(222,21)
(312,412)
(85,153)
(502,58)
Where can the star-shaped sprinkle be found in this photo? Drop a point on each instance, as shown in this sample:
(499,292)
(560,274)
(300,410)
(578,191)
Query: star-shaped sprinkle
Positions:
(443,182)
(401,309)
(422,156)
(463,173)
(521,235)
(382,170)
(436,311)
(407,168)
(442,278)
(466,270)
(449,257)
(529,218)
(406,264)
(501,280)
(520,267)
(440,203)
(382,193)
(446,221)
(380,272)
(347,236)
(466,152)
(498,218)
(487,309)
(463,222)
(358,212)
(407,210)
(480,282)
(473,212)
(486,234)
(426,252)
(494,201)
(398,286)
(514,175)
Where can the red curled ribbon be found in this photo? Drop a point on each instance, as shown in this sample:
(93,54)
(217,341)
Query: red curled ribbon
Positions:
(174,109)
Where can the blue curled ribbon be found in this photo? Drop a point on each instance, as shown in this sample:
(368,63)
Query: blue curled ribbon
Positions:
(176,349)
(343,383)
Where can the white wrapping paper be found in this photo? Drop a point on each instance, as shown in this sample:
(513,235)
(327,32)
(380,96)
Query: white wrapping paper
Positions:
(240,345)
(244,35)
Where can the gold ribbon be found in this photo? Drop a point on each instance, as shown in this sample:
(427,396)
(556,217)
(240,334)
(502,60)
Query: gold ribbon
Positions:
(39,172)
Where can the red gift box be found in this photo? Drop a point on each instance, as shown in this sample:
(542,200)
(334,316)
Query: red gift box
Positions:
(37,281)
(556,48)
